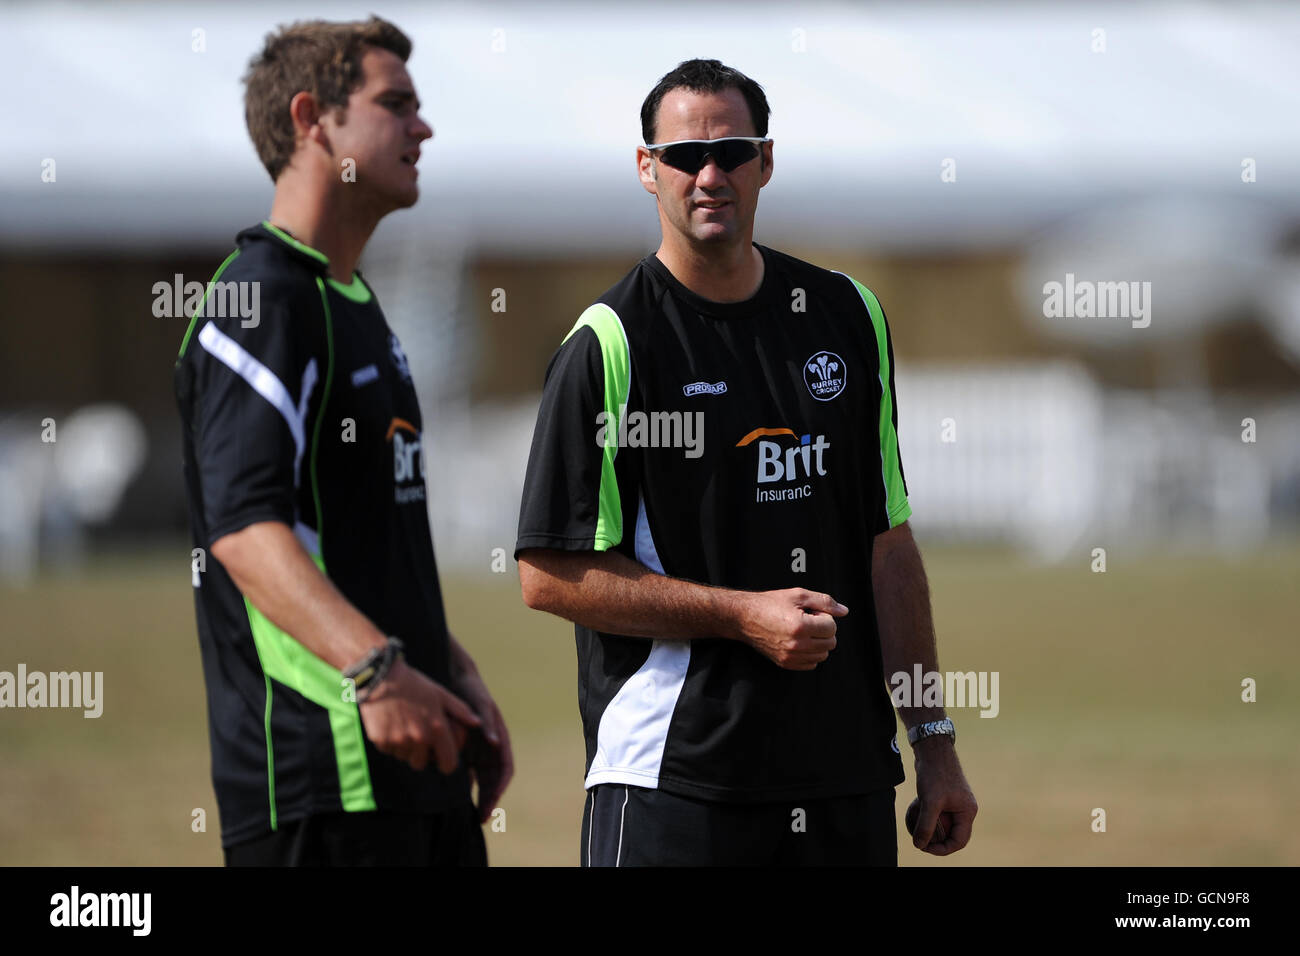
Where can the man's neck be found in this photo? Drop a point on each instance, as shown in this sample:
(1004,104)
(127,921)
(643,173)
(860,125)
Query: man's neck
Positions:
(719,274)
(322,220)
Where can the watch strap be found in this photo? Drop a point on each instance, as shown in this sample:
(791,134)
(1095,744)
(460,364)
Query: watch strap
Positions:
(932,728)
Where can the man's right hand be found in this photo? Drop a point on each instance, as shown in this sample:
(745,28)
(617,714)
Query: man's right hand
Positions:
(794,628)
(408,716)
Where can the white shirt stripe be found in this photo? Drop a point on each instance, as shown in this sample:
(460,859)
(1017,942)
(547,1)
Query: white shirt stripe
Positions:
(634,727)
(265,382)
(622,816)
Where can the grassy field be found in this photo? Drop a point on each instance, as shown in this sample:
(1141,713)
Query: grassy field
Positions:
(1119,691)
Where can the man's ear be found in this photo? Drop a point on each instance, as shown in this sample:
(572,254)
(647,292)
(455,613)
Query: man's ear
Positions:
(765,161)
(645,168)
(304,112)
(307,117)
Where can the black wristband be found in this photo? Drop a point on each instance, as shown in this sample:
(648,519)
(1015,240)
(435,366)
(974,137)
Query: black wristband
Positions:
(369,672)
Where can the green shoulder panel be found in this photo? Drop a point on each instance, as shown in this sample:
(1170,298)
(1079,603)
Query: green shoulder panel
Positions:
(617,361)
(891,470)
(194,320)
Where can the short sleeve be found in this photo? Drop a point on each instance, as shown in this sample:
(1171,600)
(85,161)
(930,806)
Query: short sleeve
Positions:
(895,508)
(254,383)
(571,499)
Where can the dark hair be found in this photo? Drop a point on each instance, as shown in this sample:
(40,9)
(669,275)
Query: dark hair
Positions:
(316,57)
(705,76)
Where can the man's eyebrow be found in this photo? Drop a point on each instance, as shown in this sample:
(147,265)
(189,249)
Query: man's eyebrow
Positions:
(402,95)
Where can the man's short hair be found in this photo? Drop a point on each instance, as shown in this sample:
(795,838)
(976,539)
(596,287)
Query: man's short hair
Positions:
(312,56)
(705,76)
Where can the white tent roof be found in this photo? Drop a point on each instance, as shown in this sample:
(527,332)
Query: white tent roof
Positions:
(534,145)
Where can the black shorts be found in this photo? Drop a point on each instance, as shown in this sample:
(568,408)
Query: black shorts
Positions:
(370,838)
(632,826)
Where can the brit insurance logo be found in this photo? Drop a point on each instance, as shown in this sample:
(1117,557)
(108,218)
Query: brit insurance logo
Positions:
(824,374)
(408,461)
(787,464)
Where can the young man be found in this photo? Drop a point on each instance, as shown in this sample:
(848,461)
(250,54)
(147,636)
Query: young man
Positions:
(338,702)
(725,415)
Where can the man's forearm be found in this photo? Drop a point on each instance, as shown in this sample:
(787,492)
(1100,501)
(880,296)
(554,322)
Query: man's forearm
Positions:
(607,591)
(906,640)
(903,613)
(461,662)
(275,573)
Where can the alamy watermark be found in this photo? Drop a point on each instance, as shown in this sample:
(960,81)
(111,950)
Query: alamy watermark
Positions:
(640,429)
(1085,299)
(225,300)
(75,908)
(923,688)
(78,689)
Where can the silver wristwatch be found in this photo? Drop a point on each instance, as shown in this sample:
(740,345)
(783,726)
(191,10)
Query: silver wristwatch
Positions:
(932,728)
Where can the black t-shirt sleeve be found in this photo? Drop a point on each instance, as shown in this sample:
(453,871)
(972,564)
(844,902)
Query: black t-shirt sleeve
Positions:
(893,507)
(253,387)
(894,484)
(568,502)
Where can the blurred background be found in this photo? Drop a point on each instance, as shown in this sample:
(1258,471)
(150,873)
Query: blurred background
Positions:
(958,159)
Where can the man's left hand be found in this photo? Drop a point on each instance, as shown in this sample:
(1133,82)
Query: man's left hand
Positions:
(941,787)
(489,757)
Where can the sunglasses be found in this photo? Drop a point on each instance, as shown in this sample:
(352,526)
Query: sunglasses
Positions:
(690,155)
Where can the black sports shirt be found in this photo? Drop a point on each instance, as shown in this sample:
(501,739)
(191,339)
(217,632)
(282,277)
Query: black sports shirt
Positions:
(749,445)
(305,414)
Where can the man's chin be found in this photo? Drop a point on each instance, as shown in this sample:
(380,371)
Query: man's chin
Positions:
(408,197)
(404,199)
(714,234)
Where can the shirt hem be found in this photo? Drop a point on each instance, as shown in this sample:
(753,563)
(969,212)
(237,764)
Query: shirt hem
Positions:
(242,520)
(733,794)
(555,542)
(253,831)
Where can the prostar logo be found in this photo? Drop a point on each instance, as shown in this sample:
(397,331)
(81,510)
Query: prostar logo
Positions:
(704,388)
(825,375)
(786,463)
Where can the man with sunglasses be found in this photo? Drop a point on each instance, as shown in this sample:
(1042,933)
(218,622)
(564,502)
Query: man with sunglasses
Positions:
(715,468)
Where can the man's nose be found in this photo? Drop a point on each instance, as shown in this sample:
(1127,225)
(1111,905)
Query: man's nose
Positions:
(710,172)
(423,130)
